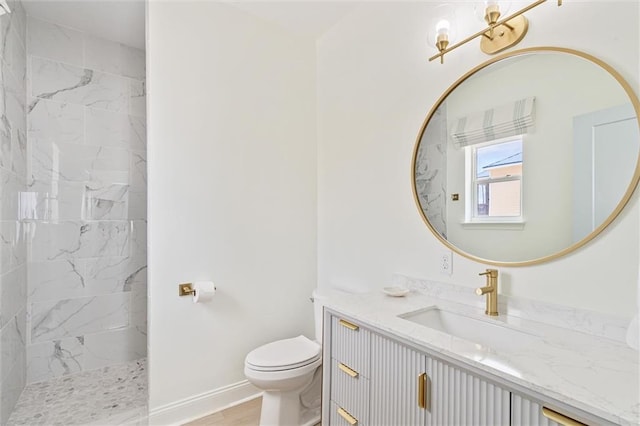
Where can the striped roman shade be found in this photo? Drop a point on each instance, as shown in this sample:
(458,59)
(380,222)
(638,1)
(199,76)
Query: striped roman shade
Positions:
(515,118)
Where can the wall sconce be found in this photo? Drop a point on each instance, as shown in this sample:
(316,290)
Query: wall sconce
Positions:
(442,28)
(499,34)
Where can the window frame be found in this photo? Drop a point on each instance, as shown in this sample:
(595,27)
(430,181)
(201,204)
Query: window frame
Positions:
(471,185)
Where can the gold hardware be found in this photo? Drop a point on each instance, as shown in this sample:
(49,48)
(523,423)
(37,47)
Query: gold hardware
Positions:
(423,393)
(348,417)
(554,255)
(505,35)
(560,418)
(348,370)
(442,41)
(499,34)
(455,197)
(491,290)
(186,289)
(348,325)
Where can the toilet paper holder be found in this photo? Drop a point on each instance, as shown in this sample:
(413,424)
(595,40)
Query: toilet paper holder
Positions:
(201,291)
(186,289)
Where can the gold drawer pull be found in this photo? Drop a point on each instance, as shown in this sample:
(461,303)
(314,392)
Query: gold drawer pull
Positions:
(423,396)
(349,371)
(348,417)
(348,325)
(560,418)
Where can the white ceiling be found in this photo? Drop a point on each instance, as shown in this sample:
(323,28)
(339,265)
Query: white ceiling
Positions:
(124,20)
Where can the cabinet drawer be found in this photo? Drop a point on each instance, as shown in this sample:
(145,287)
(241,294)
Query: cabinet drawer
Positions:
(350,390)
(350,345)
(525,411)
(344,419)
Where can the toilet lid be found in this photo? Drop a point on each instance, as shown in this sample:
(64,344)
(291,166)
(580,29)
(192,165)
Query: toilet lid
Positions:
(284,354)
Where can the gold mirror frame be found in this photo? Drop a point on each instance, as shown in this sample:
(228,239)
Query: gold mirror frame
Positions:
(621,205)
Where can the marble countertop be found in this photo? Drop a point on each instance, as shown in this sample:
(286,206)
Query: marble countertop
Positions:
(592,373)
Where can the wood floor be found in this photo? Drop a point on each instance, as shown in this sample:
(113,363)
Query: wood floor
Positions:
(246,414)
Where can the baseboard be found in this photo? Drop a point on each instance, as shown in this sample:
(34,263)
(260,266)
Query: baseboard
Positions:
(197,406)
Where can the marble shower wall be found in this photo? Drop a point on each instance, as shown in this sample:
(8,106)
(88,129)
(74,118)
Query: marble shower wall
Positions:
(431,171)
(13,231)
(86,202)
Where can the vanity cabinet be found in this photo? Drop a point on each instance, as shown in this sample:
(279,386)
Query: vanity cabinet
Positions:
(349,372)
(372,379)
(409,387)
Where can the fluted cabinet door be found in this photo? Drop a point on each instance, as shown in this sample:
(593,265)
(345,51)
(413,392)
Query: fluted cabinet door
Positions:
(525,412)
(461,398)
(452,396)
(394,376)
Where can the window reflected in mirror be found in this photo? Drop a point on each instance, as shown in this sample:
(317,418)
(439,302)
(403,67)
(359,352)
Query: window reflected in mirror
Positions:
(497,181)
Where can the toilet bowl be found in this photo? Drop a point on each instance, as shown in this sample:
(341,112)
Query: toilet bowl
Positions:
(289,372)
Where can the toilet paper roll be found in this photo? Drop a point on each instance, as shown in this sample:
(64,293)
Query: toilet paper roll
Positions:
(204,291)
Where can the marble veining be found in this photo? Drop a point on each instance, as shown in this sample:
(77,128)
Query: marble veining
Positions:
(431,171)
(14,231)
(10,188)
(137,98)
(596,323)
(12,344)
(54,161)
(106,202)
(55,358)
(73,317)
(56,121)
(69,83)
(5,143)
(585,371)
(115,395)
(13,293)
(114,347)
(75,278)
(75,240)
(108,128)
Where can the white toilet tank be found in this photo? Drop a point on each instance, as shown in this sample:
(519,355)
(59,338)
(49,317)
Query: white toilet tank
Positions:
(318,305)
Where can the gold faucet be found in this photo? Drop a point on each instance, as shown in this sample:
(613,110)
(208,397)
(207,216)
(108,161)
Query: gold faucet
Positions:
(491,290)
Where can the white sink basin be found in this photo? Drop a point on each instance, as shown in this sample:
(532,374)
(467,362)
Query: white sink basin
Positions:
(488,333)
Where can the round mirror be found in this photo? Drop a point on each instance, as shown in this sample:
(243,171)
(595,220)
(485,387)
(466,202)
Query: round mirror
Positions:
(528,156)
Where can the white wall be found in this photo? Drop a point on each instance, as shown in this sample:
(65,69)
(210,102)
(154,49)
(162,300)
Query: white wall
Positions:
(375,87)
(236,107)
(232,194)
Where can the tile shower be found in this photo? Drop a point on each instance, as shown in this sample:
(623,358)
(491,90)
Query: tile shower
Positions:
(73,169)
(431,170)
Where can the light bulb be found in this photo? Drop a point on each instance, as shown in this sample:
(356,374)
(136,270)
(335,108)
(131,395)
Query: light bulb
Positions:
(442,27)
(498,8)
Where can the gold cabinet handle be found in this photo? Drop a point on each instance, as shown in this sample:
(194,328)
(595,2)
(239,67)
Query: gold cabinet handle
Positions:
(560,418)
(349,325)
(423,396)
(348,417)
(349,371)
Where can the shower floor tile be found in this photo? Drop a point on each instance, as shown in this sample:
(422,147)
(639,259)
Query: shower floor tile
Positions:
(115,395)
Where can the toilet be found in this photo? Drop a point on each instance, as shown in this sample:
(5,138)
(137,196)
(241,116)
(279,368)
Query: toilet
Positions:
(289,372)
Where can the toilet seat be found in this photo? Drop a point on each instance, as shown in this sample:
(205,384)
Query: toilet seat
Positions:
(286,354)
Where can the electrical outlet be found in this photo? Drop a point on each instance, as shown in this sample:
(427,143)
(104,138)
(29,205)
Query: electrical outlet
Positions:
(446,262)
